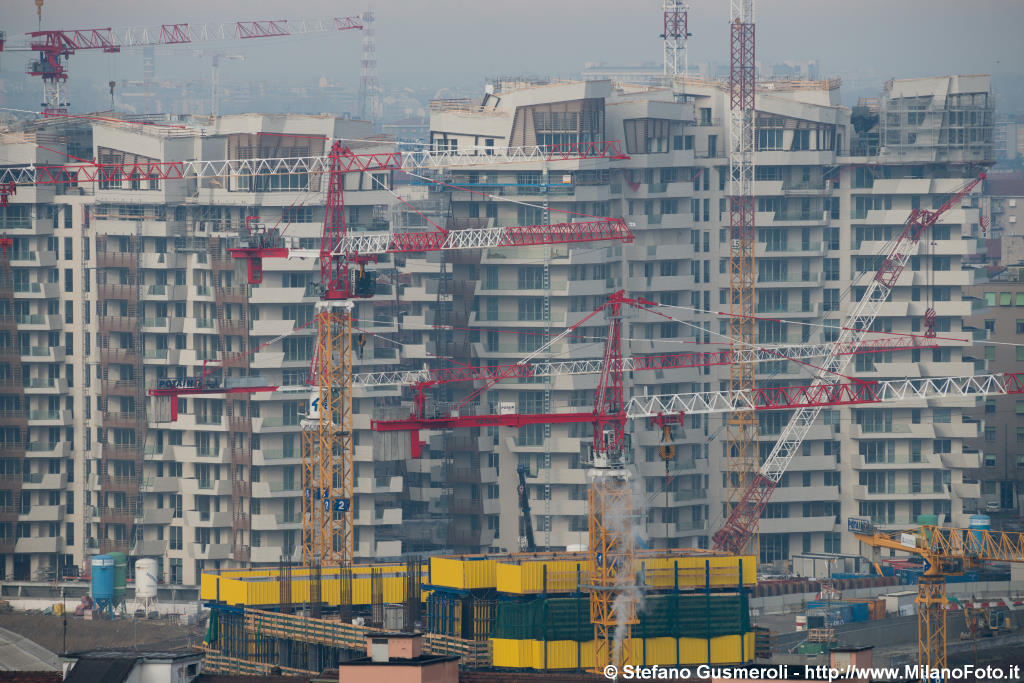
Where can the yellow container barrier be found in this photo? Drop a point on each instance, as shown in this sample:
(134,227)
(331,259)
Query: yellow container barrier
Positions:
(567,654)
(527,576)
(521,576)
(693,574)
(463,573)
(208,586)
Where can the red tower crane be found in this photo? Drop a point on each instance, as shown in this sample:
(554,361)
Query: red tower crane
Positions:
(610,507)
(55,47)
(741,525)
(327,437)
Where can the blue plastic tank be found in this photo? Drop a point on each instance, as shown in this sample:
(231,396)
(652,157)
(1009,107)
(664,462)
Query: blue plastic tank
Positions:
(978,523)
(102,578)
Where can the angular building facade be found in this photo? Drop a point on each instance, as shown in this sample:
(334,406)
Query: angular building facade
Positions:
(113,286)
(833,187)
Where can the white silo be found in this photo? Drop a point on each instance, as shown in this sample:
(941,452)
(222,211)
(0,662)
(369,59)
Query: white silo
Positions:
(145,583)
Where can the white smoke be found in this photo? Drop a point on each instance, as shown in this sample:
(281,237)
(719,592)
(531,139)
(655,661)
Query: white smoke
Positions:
(629,589)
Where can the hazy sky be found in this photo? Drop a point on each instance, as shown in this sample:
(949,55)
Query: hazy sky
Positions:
(438,40)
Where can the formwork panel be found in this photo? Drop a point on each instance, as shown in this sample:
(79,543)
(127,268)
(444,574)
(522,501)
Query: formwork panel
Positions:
(208,586)
(463,573)
(524,576)
(538,576)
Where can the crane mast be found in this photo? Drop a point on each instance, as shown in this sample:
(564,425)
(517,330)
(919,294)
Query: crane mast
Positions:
(741,428)
(327,437)
(947,551)
(742,522)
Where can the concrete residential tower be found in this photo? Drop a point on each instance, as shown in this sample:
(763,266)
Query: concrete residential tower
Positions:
(112,286)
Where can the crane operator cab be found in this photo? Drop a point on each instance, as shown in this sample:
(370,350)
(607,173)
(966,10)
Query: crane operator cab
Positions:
(365,283)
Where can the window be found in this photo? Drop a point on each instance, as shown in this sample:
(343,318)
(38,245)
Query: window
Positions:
(769,138)
(297,214)
(531,277)
(831,268)
(833,543)
(830,300)
(176,573)
(774,547)
(990,460)
(531,308)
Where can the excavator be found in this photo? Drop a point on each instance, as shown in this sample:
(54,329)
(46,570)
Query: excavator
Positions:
(947,551)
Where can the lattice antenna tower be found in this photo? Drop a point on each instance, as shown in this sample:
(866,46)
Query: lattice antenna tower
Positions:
(371,105)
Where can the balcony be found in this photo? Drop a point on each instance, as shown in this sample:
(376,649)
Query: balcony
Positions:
(46,385)
(150,548)
(43,513)
(117,419)
(206,518)
(37,290)
(116,259)
(45,449)
(43,482)
(127,483)
(164,293)
(39,322)
(159,516)
(48,545)
(379,484)
(211,551)
(900,491)
(112,545)
(42,354)
(125,515)
(901,461)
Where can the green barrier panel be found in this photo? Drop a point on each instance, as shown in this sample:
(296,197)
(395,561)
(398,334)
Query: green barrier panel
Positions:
(674,616)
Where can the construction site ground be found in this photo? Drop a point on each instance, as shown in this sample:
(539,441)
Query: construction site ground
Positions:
(47,630)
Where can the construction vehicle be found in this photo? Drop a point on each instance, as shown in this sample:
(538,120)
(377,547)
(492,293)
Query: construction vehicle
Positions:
(609,493)
(982,622)
(526,542)
(946,552)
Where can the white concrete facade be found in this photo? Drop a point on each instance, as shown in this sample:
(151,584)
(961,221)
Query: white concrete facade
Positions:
(113,286)
(829,198)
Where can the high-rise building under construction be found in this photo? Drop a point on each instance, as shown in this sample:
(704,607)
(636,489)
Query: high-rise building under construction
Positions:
(113,286)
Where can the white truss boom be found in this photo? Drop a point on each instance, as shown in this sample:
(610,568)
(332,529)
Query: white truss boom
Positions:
(788,398)
(594,366)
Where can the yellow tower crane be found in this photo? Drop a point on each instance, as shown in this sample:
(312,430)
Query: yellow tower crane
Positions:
(327,438)
(947,551)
